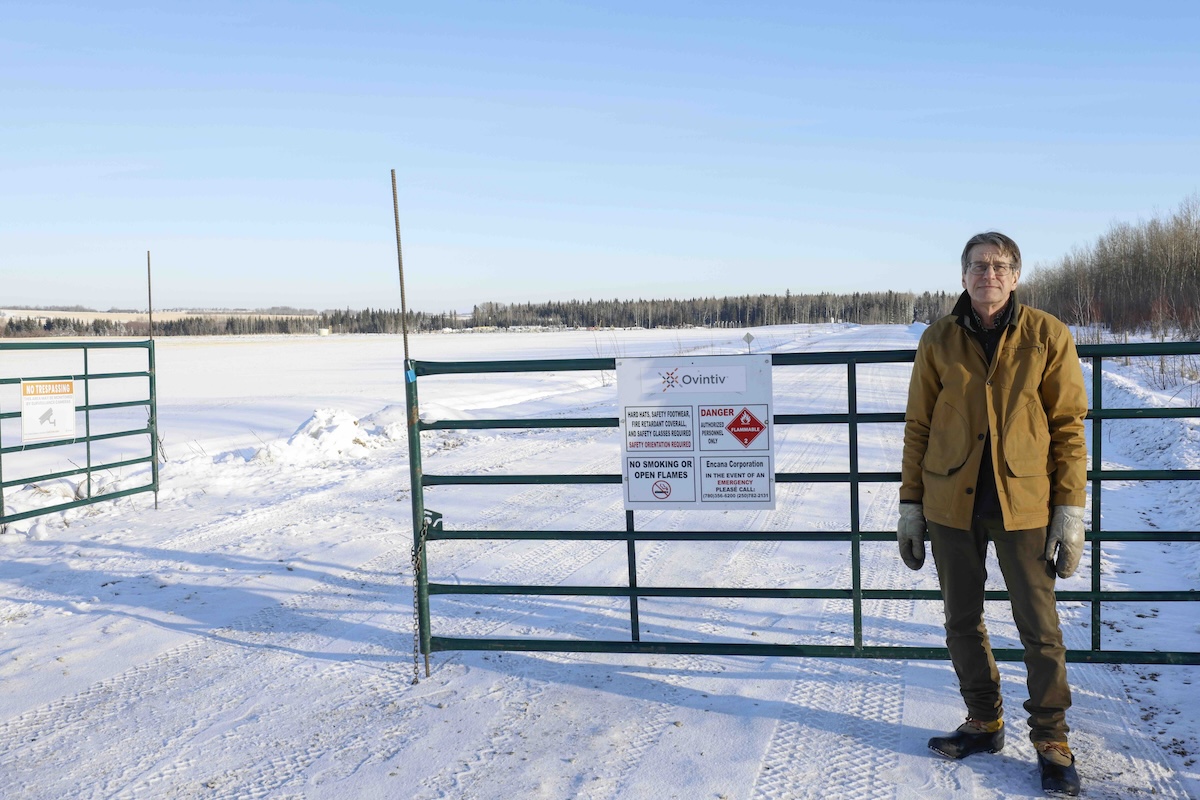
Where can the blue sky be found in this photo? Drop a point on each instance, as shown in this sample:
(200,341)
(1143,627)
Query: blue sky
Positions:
(572,150)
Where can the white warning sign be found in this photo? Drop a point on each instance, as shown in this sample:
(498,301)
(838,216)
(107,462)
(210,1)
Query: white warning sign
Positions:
(696,432)
(47,411)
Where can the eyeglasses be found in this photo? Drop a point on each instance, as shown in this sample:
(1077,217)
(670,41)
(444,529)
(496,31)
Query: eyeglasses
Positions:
(980,268)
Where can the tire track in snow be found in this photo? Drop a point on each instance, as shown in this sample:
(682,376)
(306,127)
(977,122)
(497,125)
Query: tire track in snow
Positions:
(527,562)
(1136,766)
(164,720)
(817,752)
(549,563)
(646,723)
(512,512)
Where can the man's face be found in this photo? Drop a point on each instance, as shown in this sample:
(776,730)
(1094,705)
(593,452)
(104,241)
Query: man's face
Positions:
(989,290)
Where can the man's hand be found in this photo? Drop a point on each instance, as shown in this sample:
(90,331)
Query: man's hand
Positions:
(1065,536)
(910,532)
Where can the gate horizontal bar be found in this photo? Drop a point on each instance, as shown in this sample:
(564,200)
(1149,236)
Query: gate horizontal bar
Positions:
(68,473)
(520,365)
(513,480)
(1139,349)
(37,512)
(1144,474)
(441,643)
(668,536)
(780,477)
(110,406)
(77,377)
(559,590)
(843,357)
(642,591)
(761,536)
(1141,413)
(92,407)
(837,419)
(485,424)
(89,345)
(789,477)
(77,440)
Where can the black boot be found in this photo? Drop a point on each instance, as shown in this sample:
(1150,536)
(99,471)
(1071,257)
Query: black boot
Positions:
(1056,763)
(973,736)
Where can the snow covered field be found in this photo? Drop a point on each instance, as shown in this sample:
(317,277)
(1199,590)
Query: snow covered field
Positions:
(253,636)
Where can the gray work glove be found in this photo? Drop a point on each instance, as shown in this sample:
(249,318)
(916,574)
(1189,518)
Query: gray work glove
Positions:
(910,532)
(1065,536)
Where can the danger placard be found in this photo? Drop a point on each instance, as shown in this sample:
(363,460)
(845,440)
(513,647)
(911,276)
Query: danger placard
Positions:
(734,427)
(674,409)
(47,411)
(745,427)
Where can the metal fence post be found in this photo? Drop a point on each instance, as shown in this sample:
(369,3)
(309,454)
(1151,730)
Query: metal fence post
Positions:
(1097,535)
(87,420)
(635,630)
(417,492)
(855,523)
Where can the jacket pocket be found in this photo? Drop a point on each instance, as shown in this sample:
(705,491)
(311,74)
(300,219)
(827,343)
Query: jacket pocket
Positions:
(1021,367)
(1027,455)
(949,440)
(1028,495)
(1026,441)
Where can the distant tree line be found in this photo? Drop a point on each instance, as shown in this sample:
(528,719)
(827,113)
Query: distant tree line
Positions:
(1135,277)
(719,312)
(368,320)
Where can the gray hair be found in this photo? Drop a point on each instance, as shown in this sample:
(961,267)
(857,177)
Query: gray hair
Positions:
(1008,248)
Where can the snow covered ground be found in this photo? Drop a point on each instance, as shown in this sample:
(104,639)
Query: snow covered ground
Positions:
(252,637)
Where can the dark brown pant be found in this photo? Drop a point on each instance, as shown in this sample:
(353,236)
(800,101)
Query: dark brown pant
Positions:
(960,557)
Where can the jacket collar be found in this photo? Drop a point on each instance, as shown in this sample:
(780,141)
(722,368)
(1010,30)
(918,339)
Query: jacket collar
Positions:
(967,318)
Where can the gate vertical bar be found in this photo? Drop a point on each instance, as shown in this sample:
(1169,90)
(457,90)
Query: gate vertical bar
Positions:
(635,630)
(2,469)
(153,419)
(87,419)
(417,491)
(855,524)
(1097,425)
(415,473)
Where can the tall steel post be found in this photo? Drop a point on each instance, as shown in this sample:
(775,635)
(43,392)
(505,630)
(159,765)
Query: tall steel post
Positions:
(416,491)
(152,423)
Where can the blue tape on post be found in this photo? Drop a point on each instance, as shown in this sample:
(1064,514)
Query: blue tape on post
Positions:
(410,376)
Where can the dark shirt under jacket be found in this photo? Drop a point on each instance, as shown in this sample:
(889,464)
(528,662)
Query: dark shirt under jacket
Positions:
(987,501)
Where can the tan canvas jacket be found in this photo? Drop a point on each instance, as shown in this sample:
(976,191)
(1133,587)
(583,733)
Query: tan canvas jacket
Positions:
(1031,401)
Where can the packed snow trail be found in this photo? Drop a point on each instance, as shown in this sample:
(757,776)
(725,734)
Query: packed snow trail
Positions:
(252,638)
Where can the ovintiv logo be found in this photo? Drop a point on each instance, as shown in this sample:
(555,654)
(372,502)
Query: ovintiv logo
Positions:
(687,378)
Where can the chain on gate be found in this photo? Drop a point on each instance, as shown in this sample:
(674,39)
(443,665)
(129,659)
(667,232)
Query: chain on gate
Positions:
(417,548)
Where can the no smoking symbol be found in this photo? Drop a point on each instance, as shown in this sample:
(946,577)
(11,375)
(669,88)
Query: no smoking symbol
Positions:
(661,489)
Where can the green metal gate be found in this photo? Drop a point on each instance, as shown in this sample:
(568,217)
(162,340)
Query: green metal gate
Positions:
(430,526)
(102,421)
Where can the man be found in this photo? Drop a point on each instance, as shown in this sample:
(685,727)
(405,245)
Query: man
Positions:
(994,451)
